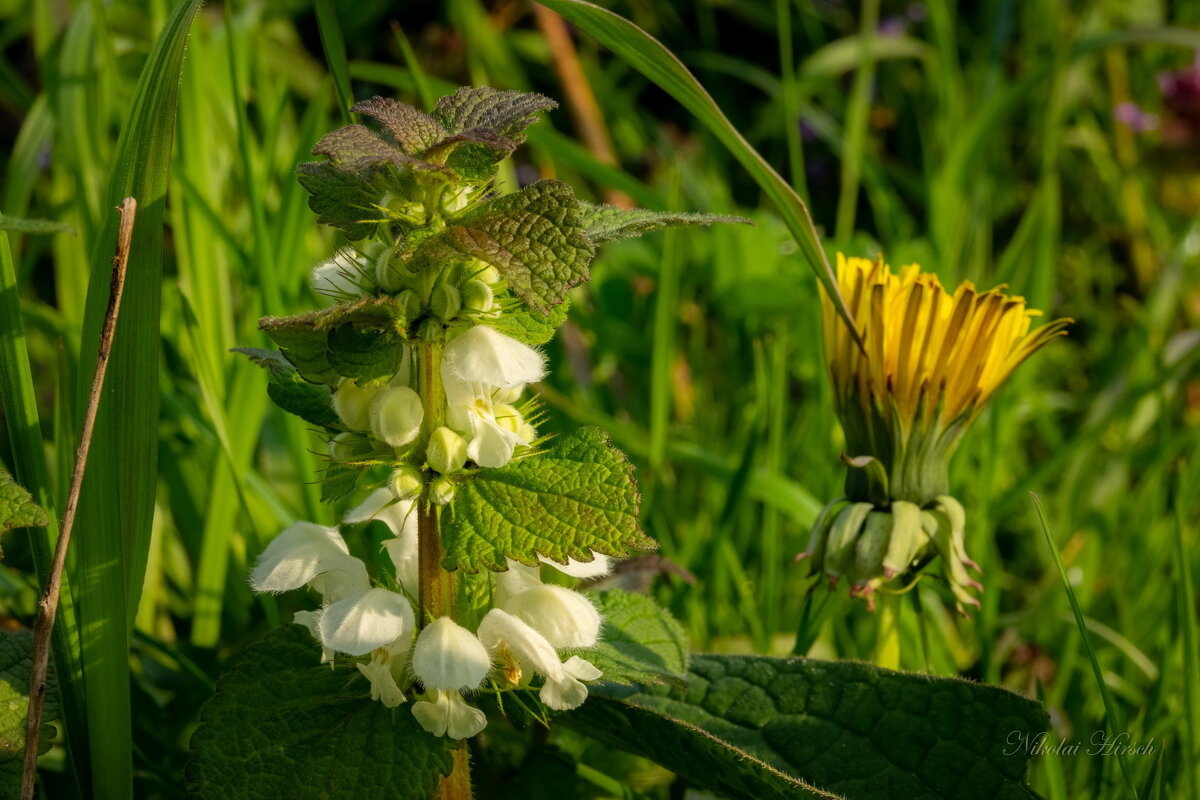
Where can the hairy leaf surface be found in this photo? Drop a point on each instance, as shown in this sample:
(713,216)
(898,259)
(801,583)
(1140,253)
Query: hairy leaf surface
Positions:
(577,497)
(608,223)
(763,728)
(17,509)
(640,642)
(283,725)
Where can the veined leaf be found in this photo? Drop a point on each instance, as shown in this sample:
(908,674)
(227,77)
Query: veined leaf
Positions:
(534,237)
(311,402)
(565,503)
(648,56)
(117,501)
(17,509)
(640,643)
(508,113)
(283,725)
(764,728)
(530,327)
(359,340)
(603,223)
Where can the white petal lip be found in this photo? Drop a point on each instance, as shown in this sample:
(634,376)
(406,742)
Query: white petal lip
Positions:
(449,715)
(296,556)
(403,552)
(498,627)
(491,445)
(360,623)
(450,657)
(598,567)
(484,355)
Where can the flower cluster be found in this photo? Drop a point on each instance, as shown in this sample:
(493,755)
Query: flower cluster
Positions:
(928,363)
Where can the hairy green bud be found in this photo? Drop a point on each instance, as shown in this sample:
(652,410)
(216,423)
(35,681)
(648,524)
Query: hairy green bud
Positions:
(407,481)
(477,296)
(445,302)
(447,451)
(410,301)
(442,491)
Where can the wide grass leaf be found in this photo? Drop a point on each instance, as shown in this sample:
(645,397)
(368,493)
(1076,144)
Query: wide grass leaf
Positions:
(117,502)
(763,728)
(576,498)
(281,724)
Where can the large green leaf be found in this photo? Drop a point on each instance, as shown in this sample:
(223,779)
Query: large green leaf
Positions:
(283,725)
(648,56)
(577,498)
(534,237)
(16,661)
(641,641)
(763,728)
(312,402)
(529,326)
(117,503)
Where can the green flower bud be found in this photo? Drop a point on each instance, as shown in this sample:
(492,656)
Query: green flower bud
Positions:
(410,301)
(352,404)
(346,446)
(407,481)
(445,301)
(447,451)
(843,538)
(396,413)
(477,296)
(442,491)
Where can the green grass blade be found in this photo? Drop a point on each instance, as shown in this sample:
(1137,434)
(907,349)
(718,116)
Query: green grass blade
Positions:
(117,501)
(648,56)
(856,123)
(1110,709)
(335,55)
(1191,654)
(19,401)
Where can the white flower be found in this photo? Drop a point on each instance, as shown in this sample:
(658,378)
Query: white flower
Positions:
(358,624)
(448,656)
(309,554)
(385,666)
(352,403)
(471,411)
(599,566)
(514,580)
(505,635)
(401,517)
(395,415)
(565,617)
(484,355)
(449,715)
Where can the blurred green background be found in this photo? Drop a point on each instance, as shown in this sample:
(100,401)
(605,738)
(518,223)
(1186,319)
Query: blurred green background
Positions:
(1052,146)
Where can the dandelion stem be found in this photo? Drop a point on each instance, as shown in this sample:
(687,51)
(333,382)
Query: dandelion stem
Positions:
(887,645)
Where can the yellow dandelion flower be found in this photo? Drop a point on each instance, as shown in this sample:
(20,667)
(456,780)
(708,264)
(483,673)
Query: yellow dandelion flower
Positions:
(929,362)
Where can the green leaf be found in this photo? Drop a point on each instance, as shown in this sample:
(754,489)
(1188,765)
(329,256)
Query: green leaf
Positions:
(564,503)
(20,225)
(608,223)
(648,56)
(338,480)
(17,509)
(530,327)
(360,340)
(345,198)
(413,130)
(508,113)
(283,725)
(640,643)
(534,237)
(310,401)
(16,662)
(764,728)
(116,507)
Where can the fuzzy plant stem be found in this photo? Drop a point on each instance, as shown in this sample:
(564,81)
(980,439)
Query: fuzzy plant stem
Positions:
(887,645)
(436,590)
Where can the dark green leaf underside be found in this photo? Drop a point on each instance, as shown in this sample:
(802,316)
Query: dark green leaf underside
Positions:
(282,725)
(763,728)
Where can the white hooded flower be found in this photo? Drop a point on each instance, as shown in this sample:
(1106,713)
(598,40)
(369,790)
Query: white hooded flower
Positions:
(506,636)
(449,715)
(383,670)
(565,617)
(401,517)
(353,403)
(448,656)
(599,566)
(360,623)
(310,619)
(471,411)
(395,415)
(514,580)
(309,554)
(484,355)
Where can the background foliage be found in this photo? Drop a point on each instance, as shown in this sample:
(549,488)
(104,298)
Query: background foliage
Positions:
(997,142)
